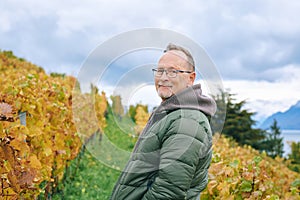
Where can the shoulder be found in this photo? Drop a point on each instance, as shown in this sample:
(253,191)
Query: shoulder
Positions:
(190,114)
(183,119)
(189,122)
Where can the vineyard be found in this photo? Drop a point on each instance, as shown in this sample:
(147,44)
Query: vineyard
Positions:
(45,123)
(35,152)
(244,173)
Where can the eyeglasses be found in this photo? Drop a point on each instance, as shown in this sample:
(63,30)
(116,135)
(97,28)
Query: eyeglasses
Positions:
(171,73)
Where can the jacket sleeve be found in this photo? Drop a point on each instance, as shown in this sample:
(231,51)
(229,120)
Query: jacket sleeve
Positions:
(181,149)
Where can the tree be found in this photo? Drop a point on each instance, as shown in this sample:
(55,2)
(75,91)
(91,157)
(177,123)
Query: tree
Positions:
(277,141)
(273,143)
(117,106)
(294,156)
(239,123)
(217,121)
(132,110)
(141,118)
(101,108)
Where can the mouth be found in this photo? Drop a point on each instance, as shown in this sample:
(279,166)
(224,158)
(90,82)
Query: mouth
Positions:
(164,86)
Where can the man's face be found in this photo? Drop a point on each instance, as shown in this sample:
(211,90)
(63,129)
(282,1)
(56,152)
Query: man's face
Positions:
(166,86)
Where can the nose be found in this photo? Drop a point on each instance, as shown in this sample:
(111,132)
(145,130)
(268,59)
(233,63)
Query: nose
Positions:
(164,76)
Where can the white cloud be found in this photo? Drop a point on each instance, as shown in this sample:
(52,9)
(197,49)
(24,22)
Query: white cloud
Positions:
(254,44)
(266,97)
(5,22)
(288,73)
(263,97)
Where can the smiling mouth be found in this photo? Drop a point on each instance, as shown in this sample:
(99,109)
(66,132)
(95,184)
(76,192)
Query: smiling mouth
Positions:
(165,86)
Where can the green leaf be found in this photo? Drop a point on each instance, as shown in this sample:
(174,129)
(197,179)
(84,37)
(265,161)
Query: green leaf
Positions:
(246,186)
(257,159)
(274,197)
(296,183)
(234,164)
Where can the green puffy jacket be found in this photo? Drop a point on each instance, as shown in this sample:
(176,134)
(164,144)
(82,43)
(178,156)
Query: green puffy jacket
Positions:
(172,156)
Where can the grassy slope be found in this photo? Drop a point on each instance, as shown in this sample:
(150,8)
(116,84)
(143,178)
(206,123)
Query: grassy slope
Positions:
(87,177)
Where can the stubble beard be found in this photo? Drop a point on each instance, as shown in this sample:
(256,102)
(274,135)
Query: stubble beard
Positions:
(165,94)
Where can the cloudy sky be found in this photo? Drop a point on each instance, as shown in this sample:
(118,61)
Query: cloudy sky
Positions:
(255,45)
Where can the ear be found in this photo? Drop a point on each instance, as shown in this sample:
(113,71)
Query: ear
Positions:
(192,78)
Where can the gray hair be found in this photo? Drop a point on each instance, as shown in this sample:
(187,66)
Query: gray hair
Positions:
(190,59)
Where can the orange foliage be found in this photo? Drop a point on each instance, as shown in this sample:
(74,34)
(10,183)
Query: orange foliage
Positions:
(40,150)
(141,118)
(244,173)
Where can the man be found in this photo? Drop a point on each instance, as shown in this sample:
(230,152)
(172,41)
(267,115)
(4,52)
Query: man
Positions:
(173,153)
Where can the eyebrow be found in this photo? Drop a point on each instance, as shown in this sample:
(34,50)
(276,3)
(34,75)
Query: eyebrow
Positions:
(167,67)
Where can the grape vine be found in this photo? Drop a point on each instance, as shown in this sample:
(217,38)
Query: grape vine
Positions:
(33,156)
(243,173)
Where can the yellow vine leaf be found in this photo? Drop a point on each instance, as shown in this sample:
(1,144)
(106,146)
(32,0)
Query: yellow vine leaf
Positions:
(34,162)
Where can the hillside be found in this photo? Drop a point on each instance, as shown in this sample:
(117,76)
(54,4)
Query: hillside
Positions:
(243,173)
(36,148)
(34,157)
(289,120)
(235,173)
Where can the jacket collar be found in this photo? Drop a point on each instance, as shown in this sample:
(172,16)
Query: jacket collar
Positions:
(189,98)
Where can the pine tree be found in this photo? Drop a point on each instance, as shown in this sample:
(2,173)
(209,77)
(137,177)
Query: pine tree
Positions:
(238,122)
(276,140)
(217,121)
(273,144)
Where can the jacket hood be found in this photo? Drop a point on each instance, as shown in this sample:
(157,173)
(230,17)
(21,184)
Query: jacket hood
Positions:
(189,98)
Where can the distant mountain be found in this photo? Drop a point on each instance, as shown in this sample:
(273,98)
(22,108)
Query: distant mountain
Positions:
(289,119)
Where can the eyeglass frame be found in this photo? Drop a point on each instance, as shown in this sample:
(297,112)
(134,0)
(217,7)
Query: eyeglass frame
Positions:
(176,71)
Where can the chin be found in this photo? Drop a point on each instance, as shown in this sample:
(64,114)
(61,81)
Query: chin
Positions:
(164,95)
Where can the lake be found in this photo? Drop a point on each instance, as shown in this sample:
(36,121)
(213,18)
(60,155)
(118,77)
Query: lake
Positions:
(289,135)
